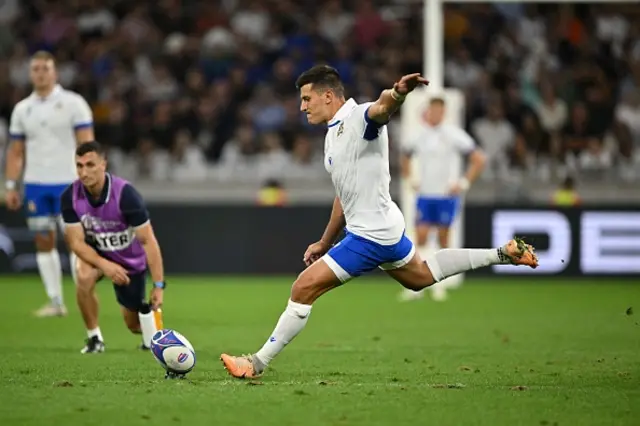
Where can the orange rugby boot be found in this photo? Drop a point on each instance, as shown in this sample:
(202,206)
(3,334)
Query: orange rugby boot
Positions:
(240,367)
(520,253)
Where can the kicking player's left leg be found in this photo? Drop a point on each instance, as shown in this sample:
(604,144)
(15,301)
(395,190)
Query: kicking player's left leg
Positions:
(417,274)
(344,261)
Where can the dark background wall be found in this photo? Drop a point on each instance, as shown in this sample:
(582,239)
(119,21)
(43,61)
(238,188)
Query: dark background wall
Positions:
(255,240)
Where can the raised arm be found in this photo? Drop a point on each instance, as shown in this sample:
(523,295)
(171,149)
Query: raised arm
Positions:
(391,99)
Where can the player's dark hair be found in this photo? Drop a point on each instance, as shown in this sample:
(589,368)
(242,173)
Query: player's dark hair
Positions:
(88,147)
(322,77)
(437,100)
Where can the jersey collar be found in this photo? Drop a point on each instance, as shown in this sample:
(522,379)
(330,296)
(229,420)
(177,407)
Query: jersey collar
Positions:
(343,112)
(56,90)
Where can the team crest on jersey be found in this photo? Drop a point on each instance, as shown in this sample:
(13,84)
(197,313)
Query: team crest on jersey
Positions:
(341,129)
(31,206)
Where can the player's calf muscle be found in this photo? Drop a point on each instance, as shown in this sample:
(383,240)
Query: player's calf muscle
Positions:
(132,320)
(414,276)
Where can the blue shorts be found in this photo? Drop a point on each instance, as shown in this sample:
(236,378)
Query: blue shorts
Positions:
(437,211)
(42,202)
(354,255)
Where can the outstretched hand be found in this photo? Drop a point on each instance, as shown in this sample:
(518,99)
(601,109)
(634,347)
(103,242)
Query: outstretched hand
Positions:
(409,82)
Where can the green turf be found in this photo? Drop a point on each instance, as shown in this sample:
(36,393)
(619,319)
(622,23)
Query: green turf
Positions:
(364,359)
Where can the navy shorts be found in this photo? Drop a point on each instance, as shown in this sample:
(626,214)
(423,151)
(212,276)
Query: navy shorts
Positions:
(355,255)
(132,296)
(437,211)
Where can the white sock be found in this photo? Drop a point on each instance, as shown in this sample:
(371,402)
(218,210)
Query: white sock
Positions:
(95,332)
(51,274)
(291,322)
(448,262)
(72,267)
(147,325)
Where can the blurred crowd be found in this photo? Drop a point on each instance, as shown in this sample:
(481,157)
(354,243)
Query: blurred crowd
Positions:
(193,90)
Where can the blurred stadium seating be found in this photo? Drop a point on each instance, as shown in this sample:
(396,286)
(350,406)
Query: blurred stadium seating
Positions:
(202,92)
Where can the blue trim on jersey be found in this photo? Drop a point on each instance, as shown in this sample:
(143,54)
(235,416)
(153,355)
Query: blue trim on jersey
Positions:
(357,255)
(83,125)
(43,200)
(371,128)
(16,135)
(334,124)
(438,211)
(370,121)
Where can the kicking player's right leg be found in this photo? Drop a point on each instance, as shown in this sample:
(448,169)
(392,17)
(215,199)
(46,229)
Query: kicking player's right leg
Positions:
(87,277)
(40,220)
(342,263)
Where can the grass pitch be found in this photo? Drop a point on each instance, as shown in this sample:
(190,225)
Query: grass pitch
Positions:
(514,352)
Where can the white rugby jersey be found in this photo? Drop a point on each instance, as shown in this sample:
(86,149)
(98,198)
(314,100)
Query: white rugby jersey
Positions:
(440,150)
(356,155)
(48,125)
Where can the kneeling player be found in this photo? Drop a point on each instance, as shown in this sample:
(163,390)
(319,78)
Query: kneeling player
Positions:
(107,226)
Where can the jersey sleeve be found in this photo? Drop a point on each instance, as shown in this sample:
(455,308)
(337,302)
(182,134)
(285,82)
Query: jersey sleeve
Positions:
(69,214)
(368,128)
(81,114)
(16,126)
(462,140)
(132,207)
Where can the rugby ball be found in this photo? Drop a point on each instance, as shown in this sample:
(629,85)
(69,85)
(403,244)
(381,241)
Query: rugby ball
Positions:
(173,351)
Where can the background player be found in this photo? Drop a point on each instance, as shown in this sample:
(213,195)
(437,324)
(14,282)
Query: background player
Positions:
(107,226)
(45,129)
(357,158)
(440,149)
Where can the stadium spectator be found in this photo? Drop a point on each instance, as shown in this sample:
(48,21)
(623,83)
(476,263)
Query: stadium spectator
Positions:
(220,75)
